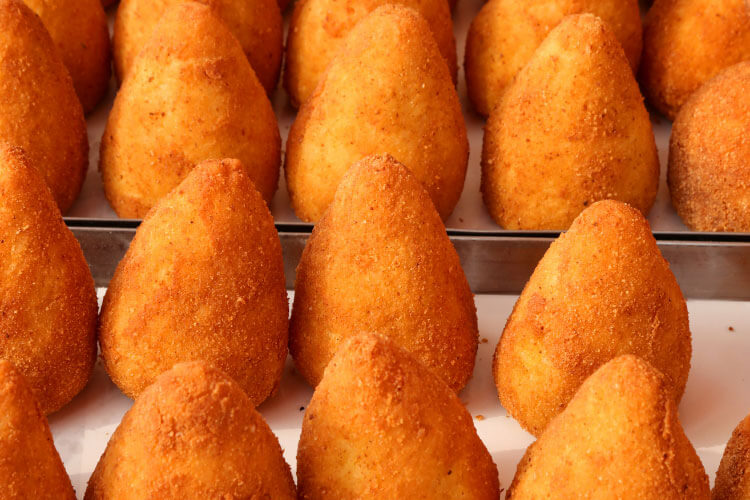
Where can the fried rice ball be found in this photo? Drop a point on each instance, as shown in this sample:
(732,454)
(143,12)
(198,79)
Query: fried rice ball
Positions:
(686,43)
(733,477)
(256,25)
(191,96)
(79,30)
(48,303)
(505,34)
(380,260)
(602,289)
(192,434)
(709,154)
(30,467)
(619,437)
(39,109)
(203,279)
(387,91)
(570,130)
(382,425)
(319,28)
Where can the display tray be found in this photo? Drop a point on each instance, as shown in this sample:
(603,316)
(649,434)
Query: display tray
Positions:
(470,213)
(715,400)
(709,266)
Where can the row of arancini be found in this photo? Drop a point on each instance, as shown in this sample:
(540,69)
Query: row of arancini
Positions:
(553,145)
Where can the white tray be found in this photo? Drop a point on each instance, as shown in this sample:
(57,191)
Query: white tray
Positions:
(715,400)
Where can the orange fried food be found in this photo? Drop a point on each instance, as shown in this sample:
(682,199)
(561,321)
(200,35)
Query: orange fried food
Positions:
(687,42)
(30,467)
(602,289)
(380,261)
(191,96)
(505,34)
(381,425)
(203,279)
(709,154)
(47,300)
(733,477)
(387,91)
(319,28)
(79,29)
(39,109)
(570,130)
(619,437)
(193,434)
(256,25)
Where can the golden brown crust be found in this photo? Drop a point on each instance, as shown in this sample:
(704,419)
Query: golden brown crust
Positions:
(709,154)
(257,26)
(687,42)
(39,109)
(389,91)
(191,96)
(733,477)
(504,35)
(48,304)
(380,261)
(619,437)
(602,289)
(30,466)
(570,130)
(193,434)
(381,425)
(79,30)
(203,279)
(319,28)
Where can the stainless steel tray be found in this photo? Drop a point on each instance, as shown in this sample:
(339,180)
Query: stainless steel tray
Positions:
(707,265)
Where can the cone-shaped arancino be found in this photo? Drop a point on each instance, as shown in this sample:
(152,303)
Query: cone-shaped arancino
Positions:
(192,96)
(602,289)
(570,130)
(380,261)
(388,90)
(381,425)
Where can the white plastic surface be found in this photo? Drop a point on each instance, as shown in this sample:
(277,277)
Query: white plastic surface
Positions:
(717,396)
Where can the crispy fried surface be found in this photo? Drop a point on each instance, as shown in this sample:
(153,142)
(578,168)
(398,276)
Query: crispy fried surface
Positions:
(505,34)
(319,28)
(687,42)
(570,130)
(191,96)
(30,467)
(39,110)
(47,300)
(203,279)
(602,289)
(256,25)
(389,91)
(619,437)
(709,154)
(380,261)
(381,425)
(733,477)
(193,434)
(79,30)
